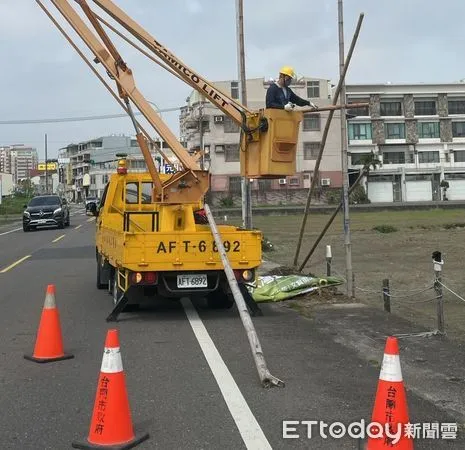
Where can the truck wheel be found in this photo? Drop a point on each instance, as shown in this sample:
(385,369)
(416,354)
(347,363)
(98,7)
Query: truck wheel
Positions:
(110,281)
(116,291)
(220,300)
(102,282)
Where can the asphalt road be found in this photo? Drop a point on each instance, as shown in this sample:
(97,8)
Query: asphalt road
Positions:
(190,375)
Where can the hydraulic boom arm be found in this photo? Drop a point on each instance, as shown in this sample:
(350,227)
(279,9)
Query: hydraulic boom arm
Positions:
(269,139)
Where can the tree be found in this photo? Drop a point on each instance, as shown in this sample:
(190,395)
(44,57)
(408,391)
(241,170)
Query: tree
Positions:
(369,162)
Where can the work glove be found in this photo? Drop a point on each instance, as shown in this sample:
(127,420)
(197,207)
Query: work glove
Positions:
(289,106)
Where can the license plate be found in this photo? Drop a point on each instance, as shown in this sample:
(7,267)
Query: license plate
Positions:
(42,221)
(192,281)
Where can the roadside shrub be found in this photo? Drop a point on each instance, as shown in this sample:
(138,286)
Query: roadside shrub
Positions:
(333,196)
(227,202)
(385,228)
(449,226)
(359,196)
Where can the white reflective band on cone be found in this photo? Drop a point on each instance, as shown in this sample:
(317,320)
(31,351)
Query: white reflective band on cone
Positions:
(111,361)
(390,370)
(50,302)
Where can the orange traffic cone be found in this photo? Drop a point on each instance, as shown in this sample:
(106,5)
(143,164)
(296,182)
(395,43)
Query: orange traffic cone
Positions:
(390,412)
(111,425)
(49,341)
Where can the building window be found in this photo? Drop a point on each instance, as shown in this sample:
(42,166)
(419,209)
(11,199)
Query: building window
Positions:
(313,89)
(459,156)
(312,122)
(456,106)
(235,89)
(365,111)
(311,150)
(395,130)
(359,131)
(394,158)
(205,126)
(219,148)
(358,159)
(235,185)
(104,178)
(92,179)
(231,153)
(230,126)
(294,182)
(425,108)
(428,157)
(391,108)
(428,130)
(458,129)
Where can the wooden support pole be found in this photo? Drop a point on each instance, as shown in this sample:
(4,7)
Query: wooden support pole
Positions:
(386,296)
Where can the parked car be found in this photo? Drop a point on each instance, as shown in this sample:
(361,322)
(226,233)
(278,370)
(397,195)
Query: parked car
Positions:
(91,204)
(46,210)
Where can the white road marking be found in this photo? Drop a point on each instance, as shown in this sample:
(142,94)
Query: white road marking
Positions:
(6,269)
(250,430)
(11,231)
(59,237)
(77,228)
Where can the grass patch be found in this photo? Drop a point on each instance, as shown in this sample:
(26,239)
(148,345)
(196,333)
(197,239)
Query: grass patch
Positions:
(13,205)
(385,228)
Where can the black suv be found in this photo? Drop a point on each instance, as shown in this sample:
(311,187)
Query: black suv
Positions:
(46,210)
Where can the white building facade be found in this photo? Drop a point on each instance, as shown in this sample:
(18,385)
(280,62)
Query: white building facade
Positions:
(19,160)
(86,167)
(417,131)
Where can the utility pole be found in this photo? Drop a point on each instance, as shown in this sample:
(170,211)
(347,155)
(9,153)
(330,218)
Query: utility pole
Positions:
(344,156)
(46,165)
(245,184)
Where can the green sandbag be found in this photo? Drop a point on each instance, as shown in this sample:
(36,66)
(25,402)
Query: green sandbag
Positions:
(275,288)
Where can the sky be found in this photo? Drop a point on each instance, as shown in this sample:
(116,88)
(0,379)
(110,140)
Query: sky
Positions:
(42,76)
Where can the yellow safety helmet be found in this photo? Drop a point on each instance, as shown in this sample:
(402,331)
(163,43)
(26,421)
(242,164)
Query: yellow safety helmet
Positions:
(289,71)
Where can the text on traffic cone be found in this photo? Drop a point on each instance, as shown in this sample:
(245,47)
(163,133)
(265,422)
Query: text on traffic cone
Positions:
(390,410)
(111,423)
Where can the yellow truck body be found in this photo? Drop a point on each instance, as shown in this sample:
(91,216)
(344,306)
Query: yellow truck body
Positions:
(163,248)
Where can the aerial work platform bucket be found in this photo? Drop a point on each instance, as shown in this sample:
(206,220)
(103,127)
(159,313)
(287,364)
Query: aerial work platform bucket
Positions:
(273,153)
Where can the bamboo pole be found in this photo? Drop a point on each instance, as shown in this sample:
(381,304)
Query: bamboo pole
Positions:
(324,137)
(330,221)
(266,378)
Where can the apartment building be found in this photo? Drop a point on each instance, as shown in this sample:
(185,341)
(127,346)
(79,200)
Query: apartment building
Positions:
(417,131)
(18,160)
(85,167)
(202,125)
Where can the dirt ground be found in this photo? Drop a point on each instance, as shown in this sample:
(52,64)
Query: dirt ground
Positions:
(403,256)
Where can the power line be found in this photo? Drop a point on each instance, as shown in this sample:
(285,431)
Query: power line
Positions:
(77,119)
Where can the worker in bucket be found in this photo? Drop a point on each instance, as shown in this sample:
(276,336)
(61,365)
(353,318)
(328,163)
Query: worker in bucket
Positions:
(280,96)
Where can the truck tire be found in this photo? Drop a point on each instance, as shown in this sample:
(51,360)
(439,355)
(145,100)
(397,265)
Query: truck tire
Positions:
(102,273)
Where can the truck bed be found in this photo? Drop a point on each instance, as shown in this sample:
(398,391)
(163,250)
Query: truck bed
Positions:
(181,251)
